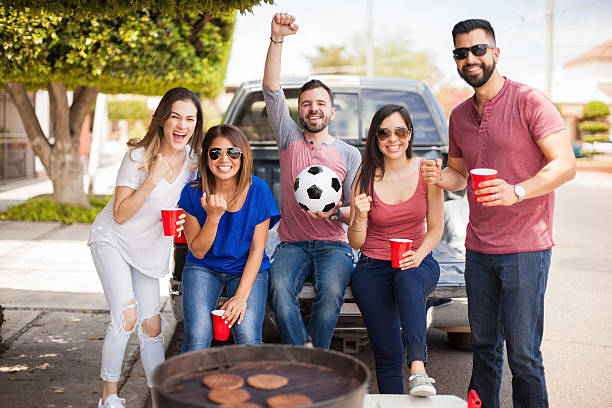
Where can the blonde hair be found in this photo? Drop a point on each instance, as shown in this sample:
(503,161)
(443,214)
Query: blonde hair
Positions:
(153,139)
(238,139)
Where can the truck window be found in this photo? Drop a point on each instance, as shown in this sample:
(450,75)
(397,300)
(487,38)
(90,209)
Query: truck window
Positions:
(425,132)
(346,122)
(253,118)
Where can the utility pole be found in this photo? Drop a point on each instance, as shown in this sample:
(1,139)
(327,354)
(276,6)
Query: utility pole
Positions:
(549,48)
(370,39)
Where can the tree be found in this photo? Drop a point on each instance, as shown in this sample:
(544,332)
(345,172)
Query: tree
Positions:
(86,8)
(129,49)
(394,58)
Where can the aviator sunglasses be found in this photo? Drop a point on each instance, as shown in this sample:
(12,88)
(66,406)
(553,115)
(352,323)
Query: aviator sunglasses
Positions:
(478,50)
(384,133)
(232,153)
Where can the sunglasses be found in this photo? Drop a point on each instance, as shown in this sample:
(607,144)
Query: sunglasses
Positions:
(232,153)
(384,133)
(478,50)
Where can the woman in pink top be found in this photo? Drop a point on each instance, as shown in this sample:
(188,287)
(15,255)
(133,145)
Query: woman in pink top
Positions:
(392,201)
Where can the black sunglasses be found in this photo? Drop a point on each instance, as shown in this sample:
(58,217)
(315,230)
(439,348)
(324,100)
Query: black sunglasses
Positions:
(384,133)
(478,50)
(232,152)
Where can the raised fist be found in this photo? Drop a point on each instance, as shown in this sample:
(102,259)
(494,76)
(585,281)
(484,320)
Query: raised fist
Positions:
(283,24)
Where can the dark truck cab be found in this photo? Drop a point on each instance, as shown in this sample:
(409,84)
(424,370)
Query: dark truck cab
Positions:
(356,99)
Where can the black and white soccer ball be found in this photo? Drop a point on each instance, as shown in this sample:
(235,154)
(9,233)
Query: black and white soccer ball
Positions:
(317,188)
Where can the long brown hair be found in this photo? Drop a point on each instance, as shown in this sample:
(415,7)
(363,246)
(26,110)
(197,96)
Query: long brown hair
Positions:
(238,139)
(373,158)
(153,139)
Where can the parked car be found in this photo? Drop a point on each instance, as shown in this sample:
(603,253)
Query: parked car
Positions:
(356,99)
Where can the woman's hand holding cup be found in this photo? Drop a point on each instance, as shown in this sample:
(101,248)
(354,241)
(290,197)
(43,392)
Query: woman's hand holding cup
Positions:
(410,259)
(180,224)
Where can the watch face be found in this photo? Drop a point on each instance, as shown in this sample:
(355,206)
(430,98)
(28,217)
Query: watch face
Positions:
(519,191)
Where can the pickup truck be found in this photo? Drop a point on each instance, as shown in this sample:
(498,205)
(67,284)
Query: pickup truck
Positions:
(356,99)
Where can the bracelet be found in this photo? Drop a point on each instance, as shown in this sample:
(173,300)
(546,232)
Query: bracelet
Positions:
(356,230)
(276,42)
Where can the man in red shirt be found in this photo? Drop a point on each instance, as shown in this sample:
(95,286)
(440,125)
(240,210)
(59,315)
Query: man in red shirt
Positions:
(516,130)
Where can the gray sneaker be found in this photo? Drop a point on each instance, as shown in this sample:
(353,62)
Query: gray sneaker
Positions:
(420,385)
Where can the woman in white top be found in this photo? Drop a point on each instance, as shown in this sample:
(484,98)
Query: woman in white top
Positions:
(127,242)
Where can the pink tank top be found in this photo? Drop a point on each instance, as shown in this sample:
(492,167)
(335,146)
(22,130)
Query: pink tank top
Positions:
(404,220)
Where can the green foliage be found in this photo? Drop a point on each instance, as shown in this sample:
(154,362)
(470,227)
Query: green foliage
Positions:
(595,138)
(129,110)
(595,110)
(395,57)
(46,209)
(591,126)
(141,52)
(122,7)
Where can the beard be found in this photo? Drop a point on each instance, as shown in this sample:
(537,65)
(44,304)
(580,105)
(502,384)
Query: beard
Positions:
(480,80)
(315,129)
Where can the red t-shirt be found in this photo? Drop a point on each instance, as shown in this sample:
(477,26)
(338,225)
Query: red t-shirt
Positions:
(504,138)
(405,220)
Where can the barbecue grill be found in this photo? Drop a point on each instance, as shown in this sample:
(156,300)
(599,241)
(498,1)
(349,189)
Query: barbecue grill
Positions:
(329,378)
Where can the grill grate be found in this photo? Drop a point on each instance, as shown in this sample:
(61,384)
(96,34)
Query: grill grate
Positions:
(317,382)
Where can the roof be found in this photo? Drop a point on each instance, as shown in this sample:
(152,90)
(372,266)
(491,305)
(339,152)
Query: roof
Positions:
(602,52)
(348,81)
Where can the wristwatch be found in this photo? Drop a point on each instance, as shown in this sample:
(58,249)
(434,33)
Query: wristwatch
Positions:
(335,216)
(520,192)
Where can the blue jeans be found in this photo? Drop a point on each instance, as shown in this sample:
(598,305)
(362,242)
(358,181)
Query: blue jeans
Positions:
(331,265)
(201,291)
(506,302)
(392,303)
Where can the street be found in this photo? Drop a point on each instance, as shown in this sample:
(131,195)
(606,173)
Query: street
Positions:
(41,261)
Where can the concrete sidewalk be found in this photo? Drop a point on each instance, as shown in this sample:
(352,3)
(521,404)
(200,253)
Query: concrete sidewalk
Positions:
(56,313)
(56,318)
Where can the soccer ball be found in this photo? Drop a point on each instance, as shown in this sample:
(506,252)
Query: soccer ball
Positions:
(317,188)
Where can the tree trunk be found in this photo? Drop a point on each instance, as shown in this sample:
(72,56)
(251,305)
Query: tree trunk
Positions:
(60,158)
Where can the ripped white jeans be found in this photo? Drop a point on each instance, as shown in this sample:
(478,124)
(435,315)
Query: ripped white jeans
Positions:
(127,288)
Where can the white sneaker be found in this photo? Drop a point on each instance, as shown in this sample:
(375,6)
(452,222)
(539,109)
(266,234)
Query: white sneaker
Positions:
(112,401)
(421,385)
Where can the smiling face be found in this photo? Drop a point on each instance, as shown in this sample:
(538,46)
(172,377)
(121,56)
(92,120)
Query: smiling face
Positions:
(393,146)
(179,127)
(315,110)
(224,168)
(476,71)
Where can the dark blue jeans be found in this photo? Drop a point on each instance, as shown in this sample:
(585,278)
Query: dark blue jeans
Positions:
(392,302)
(506,302)
(331,265)
(201,291)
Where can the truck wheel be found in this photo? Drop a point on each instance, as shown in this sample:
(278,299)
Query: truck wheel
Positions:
(460,341)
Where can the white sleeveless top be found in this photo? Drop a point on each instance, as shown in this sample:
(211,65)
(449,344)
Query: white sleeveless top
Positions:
(141,240)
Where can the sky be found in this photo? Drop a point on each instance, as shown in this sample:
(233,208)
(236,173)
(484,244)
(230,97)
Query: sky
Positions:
(520,29)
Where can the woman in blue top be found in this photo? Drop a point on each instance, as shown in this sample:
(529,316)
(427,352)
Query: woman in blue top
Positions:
(228,214)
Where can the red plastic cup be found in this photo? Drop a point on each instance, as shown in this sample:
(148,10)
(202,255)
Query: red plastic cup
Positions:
(221,329)
(474,400)
(181,239)
(398,247)
(480,175)
(169,218)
